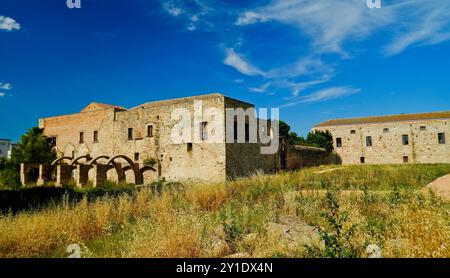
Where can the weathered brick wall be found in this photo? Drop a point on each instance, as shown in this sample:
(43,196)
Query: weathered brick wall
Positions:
(387,147)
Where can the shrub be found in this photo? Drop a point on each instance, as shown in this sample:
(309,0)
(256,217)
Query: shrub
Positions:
(335,237)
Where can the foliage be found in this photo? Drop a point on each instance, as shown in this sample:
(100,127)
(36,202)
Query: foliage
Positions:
(319,139)
(34,147)
(336,237)
(150,162)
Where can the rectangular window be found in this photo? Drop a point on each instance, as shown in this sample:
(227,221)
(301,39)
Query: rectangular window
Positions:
(405,139)
(385,130)
(363,160)
(235,130)
(369,141)
(81,137)
(353,131)
(150,131)
(204,131)
(189,147)
(136,156)
(339,142)
(441,138)
(247,132)
(95,136)
(53,141)
(422,128)
(405,159)
(130,133)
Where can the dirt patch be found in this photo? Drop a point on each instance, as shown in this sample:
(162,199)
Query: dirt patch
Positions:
(441,187)
(327,170)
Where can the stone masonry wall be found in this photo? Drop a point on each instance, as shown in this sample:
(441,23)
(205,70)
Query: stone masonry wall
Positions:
(387,146)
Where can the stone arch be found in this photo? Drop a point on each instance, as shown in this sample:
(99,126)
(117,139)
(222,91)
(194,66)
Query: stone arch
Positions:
(94,161)
(75,161)
(131,164)
(69,150)
(149,174)
(56,161)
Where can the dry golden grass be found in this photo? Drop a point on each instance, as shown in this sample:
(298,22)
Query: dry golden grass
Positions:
(242,217)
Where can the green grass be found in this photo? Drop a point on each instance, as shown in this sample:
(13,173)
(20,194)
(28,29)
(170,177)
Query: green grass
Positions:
(248,217)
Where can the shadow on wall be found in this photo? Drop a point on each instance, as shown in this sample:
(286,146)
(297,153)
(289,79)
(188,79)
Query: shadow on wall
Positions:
(304,156)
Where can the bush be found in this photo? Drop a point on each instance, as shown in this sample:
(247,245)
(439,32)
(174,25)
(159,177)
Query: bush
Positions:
(335,237)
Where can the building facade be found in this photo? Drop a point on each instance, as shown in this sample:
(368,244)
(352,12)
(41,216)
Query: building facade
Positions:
(5,148)
(146,132)
(406,138)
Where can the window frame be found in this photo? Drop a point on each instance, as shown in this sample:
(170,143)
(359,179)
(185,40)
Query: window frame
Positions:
(204,131)
(405,142)
(81,137)
(339,142)
(441,138)
(369,141)
(130,133)
(150,130)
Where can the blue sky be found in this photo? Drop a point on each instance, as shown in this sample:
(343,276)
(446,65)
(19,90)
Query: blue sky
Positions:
(316,60)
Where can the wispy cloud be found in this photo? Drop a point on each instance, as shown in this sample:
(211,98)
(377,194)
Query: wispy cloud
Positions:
(324,94)
(330,24)
(5,86)
(427,23)
(240,63)
(261,89)
(2,94)
(8,24)
(193,13)
(298,87)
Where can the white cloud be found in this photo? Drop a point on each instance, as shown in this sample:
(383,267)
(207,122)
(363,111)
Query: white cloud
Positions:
(2,94)
(5,86)
(330,24)
(298,87)
(427,23)
(304,66)
(261,89)
(8,24)
(239,63)
(193,12)
(325,94)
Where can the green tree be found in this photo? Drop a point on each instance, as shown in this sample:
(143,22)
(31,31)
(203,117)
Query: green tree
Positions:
(321,139)
(34,147)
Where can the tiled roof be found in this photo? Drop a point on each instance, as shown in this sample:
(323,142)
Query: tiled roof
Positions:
(97,106)
(390,118)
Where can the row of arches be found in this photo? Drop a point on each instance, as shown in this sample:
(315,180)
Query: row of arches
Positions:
(62,169)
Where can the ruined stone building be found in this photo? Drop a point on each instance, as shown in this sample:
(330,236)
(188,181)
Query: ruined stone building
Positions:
(406,138)
(144,132)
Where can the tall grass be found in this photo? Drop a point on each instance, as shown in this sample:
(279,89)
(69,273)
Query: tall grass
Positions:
(245,217)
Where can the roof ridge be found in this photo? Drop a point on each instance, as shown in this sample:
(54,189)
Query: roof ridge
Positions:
(388,118)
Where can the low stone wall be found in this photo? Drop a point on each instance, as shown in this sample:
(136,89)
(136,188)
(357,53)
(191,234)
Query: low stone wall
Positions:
(303,156)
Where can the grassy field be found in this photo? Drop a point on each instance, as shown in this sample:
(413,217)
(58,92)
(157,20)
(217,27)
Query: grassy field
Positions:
(315,212)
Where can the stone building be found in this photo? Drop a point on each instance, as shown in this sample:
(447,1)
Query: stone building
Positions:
(144,133)
(6,147)
(405,138)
